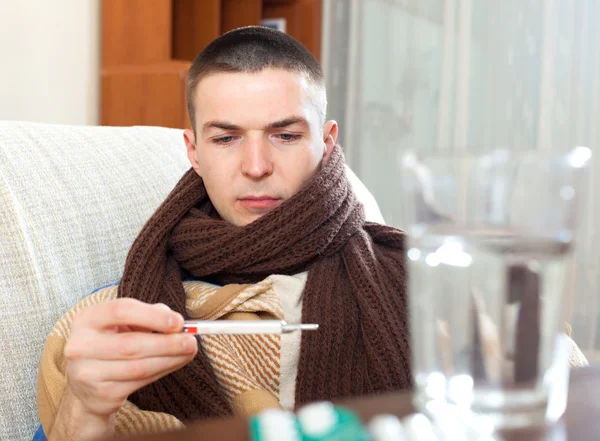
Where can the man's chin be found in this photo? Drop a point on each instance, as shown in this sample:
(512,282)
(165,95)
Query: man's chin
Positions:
(243,219)
(249,218)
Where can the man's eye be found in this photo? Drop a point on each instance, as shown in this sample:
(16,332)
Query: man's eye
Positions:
(288,137)
(223,140)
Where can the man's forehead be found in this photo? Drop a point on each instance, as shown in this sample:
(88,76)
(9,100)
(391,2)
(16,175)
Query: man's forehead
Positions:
(260,99)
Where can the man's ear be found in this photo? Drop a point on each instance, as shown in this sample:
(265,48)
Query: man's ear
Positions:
(330,134)
(190,145)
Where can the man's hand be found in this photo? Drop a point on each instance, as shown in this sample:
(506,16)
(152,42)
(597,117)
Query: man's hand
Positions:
(111,353)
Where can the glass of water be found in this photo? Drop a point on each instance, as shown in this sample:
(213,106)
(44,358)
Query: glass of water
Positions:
(490,239)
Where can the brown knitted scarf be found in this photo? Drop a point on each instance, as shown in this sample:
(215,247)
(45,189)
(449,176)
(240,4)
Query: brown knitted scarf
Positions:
(355,289)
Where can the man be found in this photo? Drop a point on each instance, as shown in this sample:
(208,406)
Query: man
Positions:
(266,223)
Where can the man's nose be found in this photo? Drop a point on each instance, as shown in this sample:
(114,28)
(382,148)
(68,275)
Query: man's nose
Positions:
(256,162)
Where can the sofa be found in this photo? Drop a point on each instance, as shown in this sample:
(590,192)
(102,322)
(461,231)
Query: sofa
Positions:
(72,200)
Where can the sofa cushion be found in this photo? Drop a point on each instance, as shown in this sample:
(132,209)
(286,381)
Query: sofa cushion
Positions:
(72,200)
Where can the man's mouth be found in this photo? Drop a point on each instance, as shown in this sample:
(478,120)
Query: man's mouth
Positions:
(260,202)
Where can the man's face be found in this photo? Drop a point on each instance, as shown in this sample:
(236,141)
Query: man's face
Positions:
(258,140)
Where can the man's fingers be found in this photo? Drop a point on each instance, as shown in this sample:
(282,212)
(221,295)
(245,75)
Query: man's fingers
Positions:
(131,313)
(129,345)
(142,371)
(139,384)
(109,383)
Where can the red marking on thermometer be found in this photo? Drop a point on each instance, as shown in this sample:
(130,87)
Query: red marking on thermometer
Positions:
(203,327)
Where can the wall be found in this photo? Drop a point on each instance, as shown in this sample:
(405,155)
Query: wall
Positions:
(49,65)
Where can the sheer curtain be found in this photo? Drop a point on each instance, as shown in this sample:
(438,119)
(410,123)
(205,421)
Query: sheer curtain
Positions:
(452,74)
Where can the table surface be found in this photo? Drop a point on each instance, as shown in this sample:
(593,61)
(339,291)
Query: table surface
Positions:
(580,423)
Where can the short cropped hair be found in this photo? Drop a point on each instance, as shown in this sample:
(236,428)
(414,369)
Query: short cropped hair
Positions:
(252,49)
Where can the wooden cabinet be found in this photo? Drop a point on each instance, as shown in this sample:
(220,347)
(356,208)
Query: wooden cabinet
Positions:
(148,46)
(147,94)
(141,82)
(133,33)
(239,13)
(303,21)
(195,24)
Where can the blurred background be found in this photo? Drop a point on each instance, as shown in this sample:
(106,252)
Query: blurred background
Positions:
(401,74)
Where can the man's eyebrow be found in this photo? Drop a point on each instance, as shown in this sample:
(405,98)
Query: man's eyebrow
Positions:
(220,125)
(225,125)
(287,122)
